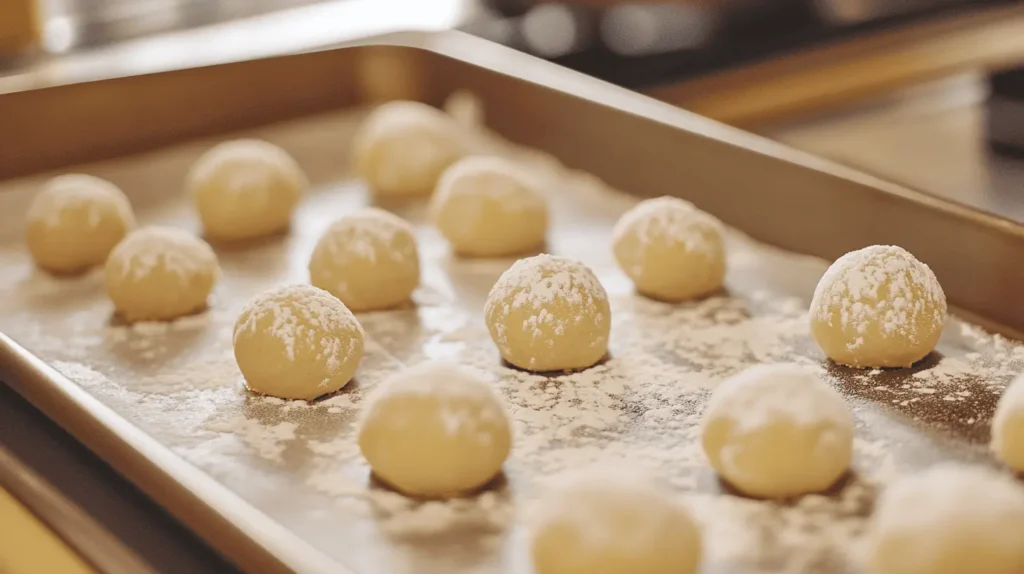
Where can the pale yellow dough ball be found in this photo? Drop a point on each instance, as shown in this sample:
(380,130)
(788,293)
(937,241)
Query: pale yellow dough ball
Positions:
(368,259)
(245,189)
(402,148)
(549,313)
(878,307)
(604,525)
(670,249)
(489,206)
(436,430)
(160,273)
(775,431)
(297,342)
(950,519)
(75,221)
(1008,426)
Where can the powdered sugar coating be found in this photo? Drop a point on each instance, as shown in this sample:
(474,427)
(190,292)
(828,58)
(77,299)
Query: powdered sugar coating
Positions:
(169,249)
(1008,426)
(549,313)
(673,220)
(368,259)
(605,521)
(878,306)
(74,222)
(947,520)
(160,273)
(671,250)
(490,206)
(778,430)
(76,191)
(436,429)
(301,334)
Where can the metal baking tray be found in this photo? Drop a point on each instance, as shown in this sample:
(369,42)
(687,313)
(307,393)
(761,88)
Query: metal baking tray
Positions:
(279,486)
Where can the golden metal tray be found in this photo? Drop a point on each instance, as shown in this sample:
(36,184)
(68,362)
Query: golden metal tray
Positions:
(279,486)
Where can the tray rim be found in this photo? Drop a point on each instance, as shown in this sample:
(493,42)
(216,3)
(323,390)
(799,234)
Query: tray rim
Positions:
(241,532)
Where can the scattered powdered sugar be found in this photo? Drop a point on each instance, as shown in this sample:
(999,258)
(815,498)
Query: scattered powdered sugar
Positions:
(168,249)
(882,287)
(302,315)
(299,464)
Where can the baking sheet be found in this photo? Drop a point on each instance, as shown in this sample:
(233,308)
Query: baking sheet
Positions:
(298,464)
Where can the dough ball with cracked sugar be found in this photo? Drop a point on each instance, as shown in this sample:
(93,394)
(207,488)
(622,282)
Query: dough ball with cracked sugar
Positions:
(950,519)
(1008,426)
(489,207)
(403,147)
(368,259)
(297,342)
(160,273)
(436,430)
(549,313)
(608,524)
(75,221)
(670,249)
(244,189)
(776,431)
(878,307)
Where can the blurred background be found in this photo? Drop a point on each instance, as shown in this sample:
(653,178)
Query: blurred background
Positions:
(923,92)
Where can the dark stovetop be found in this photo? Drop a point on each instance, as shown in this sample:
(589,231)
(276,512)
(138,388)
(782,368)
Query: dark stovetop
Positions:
(638,44)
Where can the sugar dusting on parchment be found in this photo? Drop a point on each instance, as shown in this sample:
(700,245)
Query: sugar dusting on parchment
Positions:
(298,462)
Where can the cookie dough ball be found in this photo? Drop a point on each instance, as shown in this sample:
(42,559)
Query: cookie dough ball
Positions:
(245,189)
(160,273)
(951,519)
(670,249)
(775,431)
(549,313)
(1008,426)
(601,525)
(436,430)
(75,221)
(403,147)
(489,206)
(878,307)
(368,260)
(297,342)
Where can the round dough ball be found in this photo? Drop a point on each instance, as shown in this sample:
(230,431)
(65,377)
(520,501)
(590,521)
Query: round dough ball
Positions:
(549,313)
(1008,426)
(489,206)
(436,430)
(950,519)
(775,431)
(670,249)
(368,260)
(160,273)
(297,342)
(403,147)
(599,525)
(245,189)
(878,307)
(75,221)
